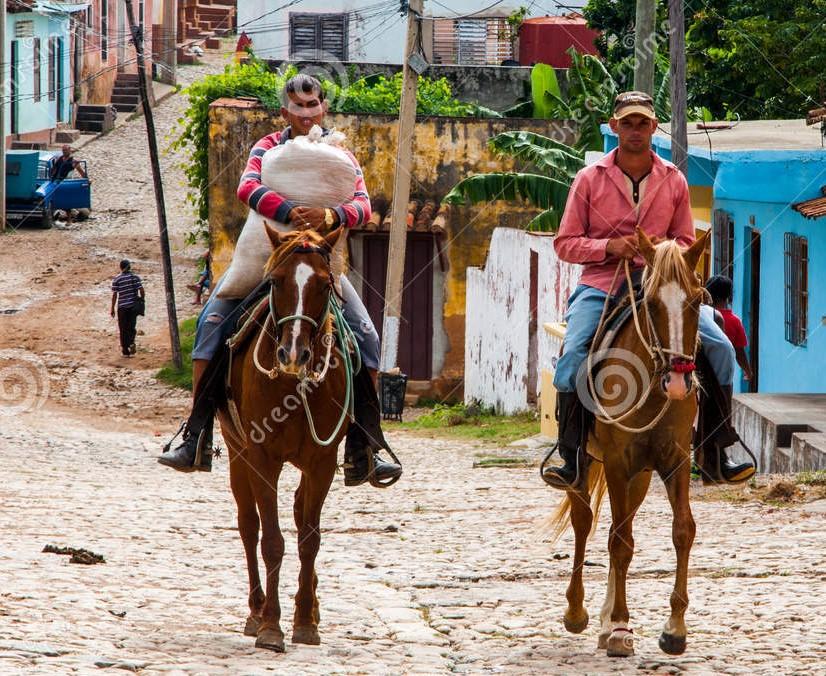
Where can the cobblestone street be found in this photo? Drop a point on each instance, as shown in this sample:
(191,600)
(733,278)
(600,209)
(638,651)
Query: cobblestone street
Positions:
(444,572)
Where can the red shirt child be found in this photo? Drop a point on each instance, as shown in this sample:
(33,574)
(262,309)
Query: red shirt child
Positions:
(721,288)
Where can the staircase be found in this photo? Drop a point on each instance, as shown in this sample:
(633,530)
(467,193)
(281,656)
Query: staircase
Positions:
(203,23)
(126,95)
(64,134)
(94,119)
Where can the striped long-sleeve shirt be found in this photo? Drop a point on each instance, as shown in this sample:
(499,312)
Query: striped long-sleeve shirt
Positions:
(270,204)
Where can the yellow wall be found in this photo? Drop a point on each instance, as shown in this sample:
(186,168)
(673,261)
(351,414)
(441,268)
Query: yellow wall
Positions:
(445,151)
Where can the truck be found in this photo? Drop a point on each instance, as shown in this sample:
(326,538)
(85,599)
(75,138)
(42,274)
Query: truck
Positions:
(32,196)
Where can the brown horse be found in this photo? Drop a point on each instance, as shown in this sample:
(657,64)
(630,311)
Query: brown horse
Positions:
(264,426)
(648,369)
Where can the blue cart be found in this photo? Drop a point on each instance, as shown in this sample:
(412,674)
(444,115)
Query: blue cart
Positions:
(32,196)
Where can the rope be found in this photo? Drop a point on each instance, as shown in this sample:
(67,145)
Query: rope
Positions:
(654,353)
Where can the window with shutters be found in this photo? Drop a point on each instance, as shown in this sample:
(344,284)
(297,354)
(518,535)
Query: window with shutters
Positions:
(36,62)
(318,36)
(796,274)
(482,41)
(722,232)
(52,68)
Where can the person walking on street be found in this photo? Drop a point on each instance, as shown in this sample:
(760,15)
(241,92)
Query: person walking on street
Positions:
(126,290)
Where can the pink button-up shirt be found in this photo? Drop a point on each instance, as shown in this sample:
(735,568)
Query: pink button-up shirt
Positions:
(600,207)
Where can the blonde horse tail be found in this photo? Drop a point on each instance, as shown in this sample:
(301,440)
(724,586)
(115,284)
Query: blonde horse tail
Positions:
(560,520)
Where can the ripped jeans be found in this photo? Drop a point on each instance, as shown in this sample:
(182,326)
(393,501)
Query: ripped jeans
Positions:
(212,331)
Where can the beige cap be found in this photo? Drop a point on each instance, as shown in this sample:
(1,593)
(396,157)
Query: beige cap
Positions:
(634,103)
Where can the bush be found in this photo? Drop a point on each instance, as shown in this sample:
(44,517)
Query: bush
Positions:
(374,94)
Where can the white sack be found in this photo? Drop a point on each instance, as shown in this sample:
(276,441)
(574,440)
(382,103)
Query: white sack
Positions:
(311,171)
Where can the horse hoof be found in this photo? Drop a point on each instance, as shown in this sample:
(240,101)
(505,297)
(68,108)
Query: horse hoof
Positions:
(251,627)
(602,641)
(577,625)
(270,639)
(306,635)
(673,645)
(620,643)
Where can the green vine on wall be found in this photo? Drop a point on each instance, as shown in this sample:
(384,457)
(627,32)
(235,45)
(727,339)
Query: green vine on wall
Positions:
(373,94)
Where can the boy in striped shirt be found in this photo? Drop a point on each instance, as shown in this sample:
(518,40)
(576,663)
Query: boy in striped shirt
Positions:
(126,289)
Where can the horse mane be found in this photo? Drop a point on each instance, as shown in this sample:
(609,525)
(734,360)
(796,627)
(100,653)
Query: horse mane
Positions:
(291,241)
(669,266)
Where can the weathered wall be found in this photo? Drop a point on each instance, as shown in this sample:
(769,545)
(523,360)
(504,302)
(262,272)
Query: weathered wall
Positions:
(445,151)
(496,87)
(497,343)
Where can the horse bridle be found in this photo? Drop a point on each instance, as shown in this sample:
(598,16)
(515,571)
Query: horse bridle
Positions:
(277,322)
(315,323)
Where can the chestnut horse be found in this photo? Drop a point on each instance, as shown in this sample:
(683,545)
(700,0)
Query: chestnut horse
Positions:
(265,426)
(648,369)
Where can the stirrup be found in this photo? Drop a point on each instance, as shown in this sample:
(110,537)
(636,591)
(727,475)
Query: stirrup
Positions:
(371,469)
(168,444)
(200,450)
(578,478)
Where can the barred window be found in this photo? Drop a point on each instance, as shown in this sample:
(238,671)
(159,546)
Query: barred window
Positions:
(37,73)
(474,42)
(796,269)
(722,232)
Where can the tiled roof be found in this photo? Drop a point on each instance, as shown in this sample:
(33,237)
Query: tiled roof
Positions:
(813,208)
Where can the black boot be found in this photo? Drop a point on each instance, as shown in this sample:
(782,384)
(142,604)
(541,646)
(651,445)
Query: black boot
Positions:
(571,418)
(194,453)
(717,468)
(362,462)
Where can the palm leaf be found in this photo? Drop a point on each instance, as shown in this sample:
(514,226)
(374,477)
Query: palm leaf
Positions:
(544,192)
(556,158)
(524,109)
(543,79)
(547,221)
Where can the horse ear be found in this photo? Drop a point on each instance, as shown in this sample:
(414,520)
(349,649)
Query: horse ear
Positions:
(646,247)
(274,235)
(332,237)
(693,253)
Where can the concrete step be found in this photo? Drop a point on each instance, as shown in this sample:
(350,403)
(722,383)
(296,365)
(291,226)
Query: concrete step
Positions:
(782,462)
(125,107)
(212,43)
(125,100)
(90,126)
(809,451)
(126,77)
(66,135)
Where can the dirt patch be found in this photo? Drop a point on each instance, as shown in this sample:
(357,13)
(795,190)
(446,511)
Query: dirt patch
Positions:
(775,490)
(77,554)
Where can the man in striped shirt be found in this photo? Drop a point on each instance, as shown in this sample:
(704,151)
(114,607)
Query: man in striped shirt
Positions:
(126,289)
(303,108)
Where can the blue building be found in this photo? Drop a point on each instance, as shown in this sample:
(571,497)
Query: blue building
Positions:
(761,187)
(37,80)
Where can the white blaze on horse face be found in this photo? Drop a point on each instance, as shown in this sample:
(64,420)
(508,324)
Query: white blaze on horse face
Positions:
(673,298)
(303,272)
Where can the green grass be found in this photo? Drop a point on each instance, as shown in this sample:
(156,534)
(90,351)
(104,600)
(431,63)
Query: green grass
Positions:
(472,422)
(815,478)
(181,378)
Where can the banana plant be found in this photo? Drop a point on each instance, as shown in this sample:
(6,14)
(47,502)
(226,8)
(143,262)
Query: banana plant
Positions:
(550,167)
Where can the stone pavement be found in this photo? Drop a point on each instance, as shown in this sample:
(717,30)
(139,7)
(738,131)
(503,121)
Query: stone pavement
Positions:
(445,572)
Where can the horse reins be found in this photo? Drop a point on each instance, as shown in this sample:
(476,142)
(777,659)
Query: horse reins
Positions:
(662,357)
(332,315)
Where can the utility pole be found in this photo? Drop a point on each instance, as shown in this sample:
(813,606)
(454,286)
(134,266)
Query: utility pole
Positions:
(645,46)
(401,195)
(676,49)
(172,315)
(169,57)
(4,92)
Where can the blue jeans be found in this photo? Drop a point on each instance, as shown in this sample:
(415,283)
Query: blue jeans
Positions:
(584,310)
(212,331)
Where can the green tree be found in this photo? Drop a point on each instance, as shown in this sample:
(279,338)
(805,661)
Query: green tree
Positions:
(753,58)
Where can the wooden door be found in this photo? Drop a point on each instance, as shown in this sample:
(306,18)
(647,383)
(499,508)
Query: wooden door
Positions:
(754,309)
(416,330)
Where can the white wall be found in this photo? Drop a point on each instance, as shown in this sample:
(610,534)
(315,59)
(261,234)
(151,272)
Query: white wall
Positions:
(376,35)
(497,319)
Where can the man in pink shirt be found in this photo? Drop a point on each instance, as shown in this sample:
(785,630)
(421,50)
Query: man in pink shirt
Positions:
(629,187)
